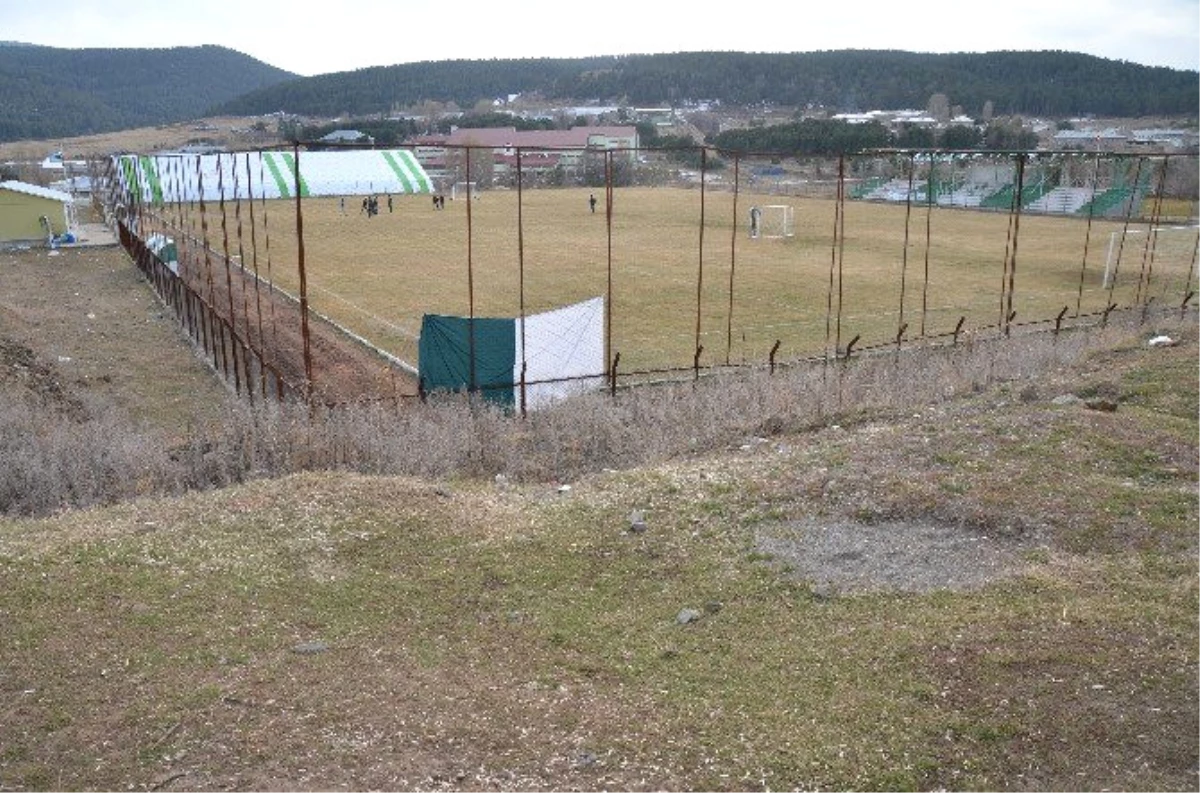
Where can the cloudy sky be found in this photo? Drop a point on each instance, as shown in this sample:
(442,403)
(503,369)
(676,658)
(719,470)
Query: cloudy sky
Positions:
(313,39)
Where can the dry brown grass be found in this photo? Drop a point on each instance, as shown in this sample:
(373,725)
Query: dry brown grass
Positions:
(513,634)
(340,630)
(232,132)
(445,629)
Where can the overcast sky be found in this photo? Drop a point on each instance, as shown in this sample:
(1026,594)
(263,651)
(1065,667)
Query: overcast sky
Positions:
(311,39)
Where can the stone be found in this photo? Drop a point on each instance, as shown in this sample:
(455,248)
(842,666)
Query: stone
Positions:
(310,648)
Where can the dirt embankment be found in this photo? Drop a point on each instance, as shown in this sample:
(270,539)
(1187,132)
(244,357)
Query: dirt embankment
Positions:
(341,369)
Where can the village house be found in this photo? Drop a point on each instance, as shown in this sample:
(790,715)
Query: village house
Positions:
(540,150)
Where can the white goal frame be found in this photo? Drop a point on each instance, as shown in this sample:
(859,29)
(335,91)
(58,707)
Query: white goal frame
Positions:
(775,221)
(464,190)
(1134,247)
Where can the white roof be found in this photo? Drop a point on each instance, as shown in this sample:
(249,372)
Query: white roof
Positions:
(35,190)
(344,134)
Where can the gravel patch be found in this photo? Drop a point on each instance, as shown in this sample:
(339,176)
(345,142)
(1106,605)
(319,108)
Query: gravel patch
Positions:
(846,557)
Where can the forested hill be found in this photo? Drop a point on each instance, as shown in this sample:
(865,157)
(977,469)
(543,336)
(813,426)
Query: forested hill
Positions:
(48,92)
(1051,84)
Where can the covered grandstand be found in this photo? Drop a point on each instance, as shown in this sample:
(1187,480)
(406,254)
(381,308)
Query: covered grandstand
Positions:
(1110,188)
(170,178)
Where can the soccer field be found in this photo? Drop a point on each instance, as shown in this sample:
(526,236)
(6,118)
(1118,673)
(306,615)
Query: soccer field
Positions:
(680,271)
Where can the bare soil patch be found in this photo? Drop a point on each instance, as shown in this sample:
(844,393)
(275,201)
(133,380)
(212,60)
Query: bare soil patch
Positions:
(80,323)
(844,557)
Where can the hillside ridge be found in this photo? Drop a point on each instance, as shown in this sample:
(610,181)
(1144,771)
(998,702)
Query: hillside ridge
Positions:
(48,92)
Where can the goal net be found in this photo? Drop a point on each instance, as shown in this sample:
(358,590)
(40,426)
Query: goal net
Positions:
(1170,250)
(773,221)
(463,190)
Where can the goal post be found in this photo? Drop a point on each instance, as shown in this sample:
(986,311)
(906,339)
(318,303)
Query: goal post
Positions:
(1173,246)
(772,221)
(463,190)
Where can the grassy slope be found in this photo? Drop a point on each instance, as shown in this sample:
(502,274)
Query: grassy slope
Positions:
(520,637)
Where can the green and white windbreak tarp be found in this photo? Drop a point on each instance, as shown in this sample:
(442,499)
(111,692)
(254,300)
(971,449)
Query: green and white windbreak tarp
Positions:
(170,178)
(560,351)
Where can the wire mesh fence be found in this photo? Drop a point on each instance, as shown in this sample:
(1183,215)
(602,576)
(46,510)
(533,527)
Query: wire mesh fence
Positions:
(705,260)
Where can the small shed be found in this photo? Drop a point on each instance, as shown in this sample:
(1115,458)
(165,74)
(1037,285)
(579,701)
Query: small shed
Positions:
(347,136)
(30,213)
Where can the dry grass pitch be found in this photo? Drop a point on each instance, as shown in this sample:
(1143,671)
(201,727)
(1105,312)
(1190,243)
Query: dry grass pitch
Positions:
(679,273)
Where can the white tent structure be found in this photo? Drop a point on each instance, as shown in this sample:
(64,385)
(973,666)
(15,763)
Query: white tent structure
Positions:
(171,178)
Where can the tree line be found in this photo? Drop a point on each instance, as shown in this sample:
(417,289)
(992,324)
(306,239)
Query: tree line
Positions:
(1047,83)
(50,92)
(831,137)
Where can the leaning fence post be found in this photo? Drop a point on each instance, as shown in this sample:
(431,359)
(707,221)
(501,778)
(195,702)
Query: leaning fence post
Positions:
(850,346)
(612,375)
(1107,311)
(958,329)
(1058,320)
(774,350)
(696,361)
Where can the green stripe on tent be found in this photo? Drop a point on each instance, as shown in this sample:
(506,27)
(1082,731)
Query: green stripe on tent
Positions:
(295,173)
(414,167)
(417,168)
(410,173)
(276,174)
(444,355)
(129,169)
(405,181)
(150,168)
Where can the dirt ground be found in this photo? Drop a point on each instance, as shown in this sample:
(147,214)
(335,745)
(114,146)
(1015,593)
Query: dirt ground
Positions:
(81,322)
(339,368)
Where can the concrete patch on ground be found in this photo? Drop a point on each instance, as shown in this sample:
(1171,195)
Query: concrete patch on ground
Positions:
(846,557)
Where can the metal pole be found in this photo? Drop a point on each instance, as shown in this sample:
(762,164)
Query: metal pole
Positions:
(700,257)
(308,364)
(471,384)
(912,173)
(521,273)
(237,379)
(737,161)
(608,300)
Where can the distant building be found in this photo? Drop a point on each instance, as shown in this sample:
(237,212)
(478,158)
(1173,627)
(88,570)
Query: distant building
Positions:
(30,213)
(1113,139)
(76,186)
(1165,138)
(346,136)
(541,150)
(1090,139)
(55,162)
(199,149)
